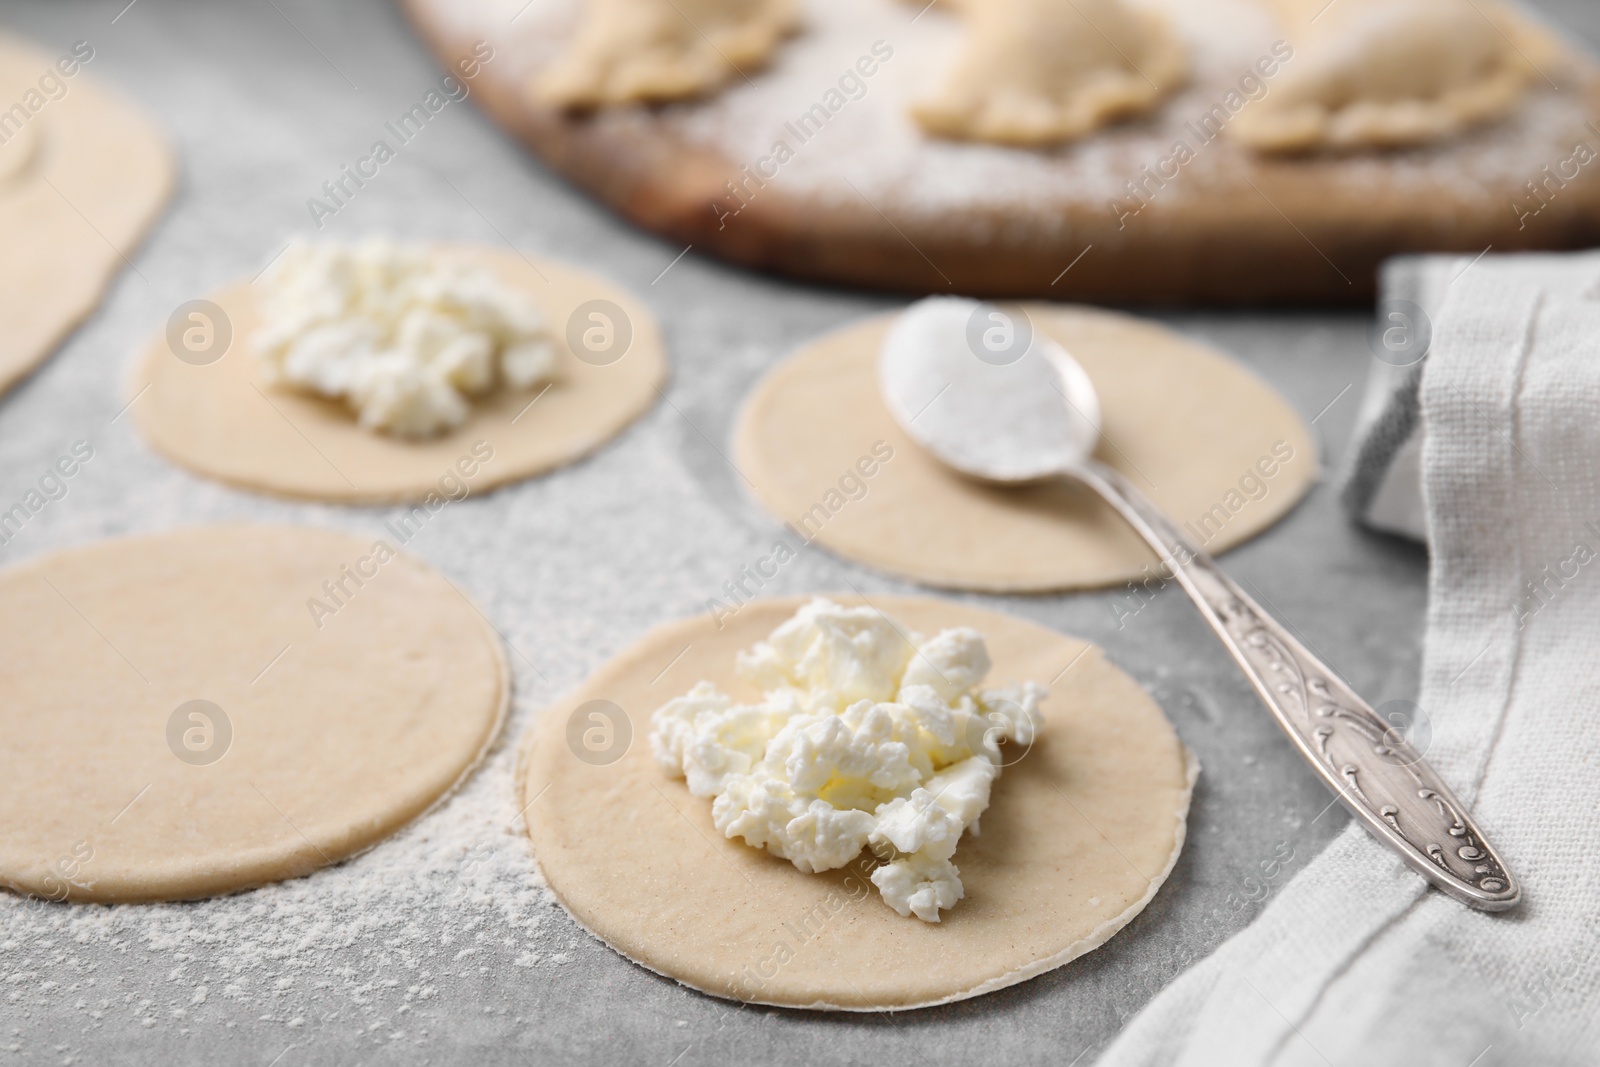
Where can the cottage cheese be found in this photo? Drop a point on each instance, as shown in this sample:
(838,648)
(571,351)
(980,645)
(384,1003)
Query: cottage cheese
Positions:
(865,736)
(405,336)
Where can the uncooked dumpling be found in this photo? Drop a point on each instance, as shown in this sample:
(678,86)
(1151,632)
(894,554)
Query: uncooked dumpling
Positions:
(632,51)
(1038,71)
(1387,73)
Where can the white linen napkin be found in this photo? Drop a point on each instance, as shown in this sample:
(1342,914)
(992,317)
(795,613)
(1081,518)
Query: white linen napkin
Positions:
(1356,961)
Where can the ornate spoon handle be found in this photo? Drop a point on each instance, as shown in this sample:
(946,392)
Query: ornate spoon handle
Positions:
(1375,771)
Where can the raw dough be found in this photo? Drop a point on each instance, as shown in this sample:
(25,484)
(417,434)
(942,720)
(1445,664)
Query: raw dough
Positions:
(329,738)
(631,51)
(17,154)
(1038,71)
(219,419)
(1386,73)
(1185,423)
(1082,831)
(79,186)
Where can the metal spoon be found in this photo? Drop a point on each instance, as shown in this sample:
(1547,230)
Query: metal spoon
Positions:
(985,395)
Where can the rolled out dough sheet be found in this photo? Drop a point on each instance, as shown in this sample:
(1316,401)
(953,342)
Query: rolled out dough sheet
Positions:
(83,174)
(179,722)
(1220,451)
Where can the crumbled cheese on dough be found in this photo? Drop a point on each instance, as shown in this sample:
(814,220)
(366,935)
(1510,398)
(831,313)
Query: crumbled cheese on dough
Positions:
(865,736)
(404,335)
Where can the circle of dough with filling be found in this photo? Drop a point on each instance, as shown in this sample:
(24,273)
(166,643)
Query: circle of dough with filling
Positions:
(1189,426)
(83,174)
(1080,832)
(179,723)
(222,420)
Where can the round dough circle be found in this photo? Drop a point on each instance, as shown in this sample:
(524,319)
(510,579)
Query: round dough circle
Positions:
(220,420)
(1081,833)
(328,739)
(87,154)
(1184,422)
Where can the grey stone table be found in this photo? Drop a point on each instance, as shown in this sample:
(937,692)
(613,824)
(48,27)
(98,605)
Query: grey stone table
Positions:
(439,946)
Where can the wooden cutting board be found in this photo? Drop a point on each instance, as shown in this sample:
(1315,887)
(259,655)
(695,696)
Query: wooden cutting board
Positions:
(861,198)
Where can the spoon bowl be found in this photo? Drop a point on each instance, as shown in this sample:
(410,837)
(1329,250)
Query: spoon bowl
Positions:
(984,392)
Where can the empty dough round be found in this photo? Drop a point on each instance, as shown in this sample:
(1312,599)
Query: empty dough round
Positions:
(213,413)
(1080,833)
(1217,448)
(83,174)
(179,722)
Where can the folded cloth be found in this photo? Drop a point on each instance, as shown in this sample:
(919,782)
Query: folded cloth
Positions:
(1357,961)
(1383,479)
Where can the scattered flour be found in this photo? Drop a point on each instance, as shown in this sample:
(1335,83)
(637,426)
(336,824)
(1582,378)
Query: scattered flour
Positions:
(356,946)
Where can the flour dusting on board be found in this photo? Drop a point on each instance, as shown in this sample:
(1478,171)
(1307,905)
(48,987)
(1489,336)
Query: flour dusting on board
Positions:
(870,147)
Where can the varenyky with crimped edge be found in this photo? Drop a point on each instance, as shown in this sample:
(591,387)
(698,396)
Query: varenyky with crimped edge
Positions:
(1169,209)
